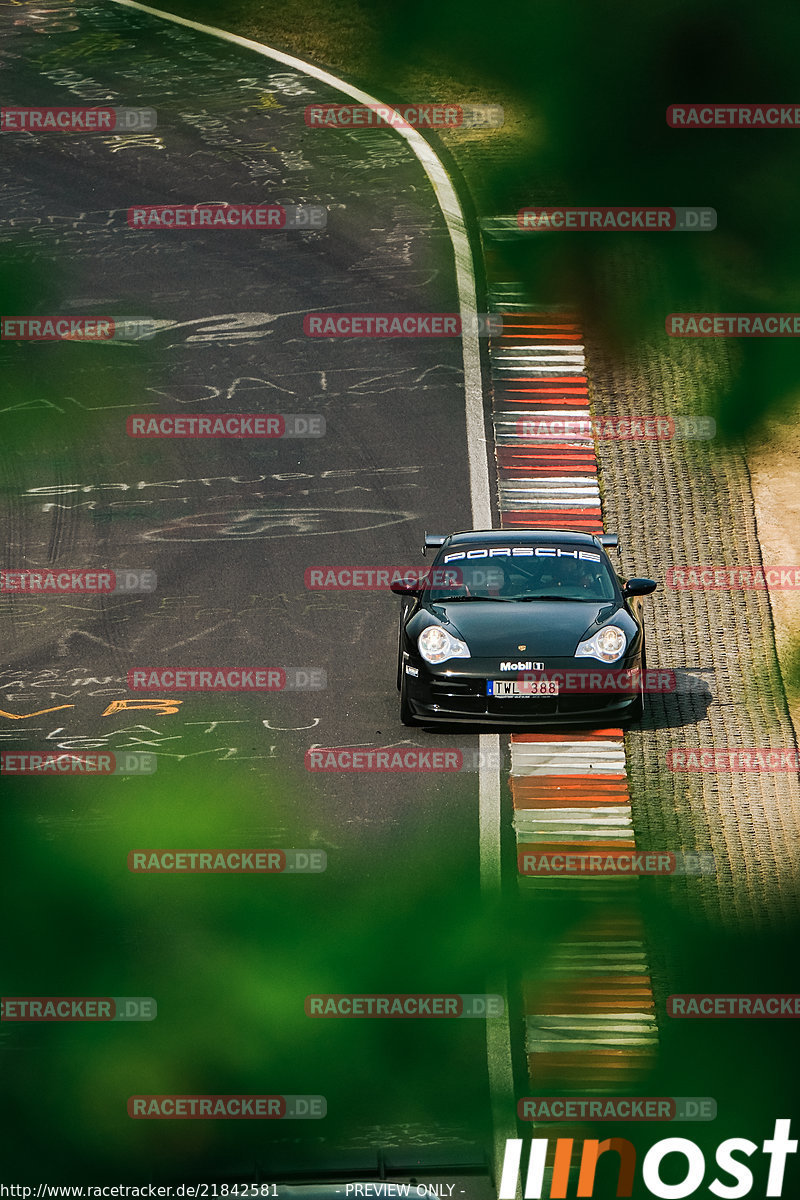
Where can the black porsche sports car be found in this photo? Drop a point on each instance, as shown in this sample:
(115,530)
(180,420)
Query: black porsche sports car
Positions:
(521,627)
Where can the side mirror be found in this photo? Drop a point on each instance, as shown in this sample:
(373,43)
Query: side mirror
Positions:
(639,587)
(406,589)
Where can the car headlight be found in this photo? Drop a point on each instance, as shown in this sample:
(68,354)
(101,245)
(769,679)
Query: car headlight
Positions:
(608,644)
(435,645)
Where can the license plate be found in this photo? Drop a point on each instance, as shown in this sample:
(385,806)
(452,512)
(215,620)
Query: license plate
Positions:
(520,689)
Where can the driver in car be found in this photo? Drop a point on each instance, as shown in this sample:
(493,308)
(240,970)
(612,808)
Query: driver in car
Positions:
(572,576)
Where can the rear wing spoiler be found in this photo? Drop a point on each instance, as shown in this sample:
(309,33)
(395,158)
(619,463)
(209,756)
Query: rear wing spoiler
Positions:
(433,540)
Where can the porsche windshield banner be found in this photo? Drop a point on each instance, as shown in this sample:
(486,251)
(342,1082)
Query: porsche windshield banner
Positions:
(521,552)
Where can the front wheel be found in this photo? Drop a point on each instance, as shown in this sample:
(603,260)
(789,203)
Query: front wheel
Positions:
(637,711)
(406,715)
(400,648)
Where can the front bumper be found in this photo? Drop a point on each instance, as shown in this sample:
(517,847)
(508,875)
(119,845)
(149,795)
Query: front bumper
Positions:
(457,694)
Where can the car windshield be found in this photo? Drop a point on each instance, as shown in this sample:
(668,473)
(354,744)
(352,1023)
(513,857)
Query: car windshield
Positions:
(533,573)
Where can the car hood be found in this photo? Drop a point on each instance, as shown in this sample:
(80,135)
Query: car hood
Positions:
(546,628)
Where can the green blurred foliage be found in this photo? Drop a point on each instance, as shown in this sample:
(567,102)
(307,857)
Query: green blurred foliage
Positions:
(230,960)
(593,81)
(598,78)
(54,392)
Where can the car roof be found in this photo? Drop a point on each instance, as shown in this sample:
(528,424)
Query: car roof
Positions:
(519,537)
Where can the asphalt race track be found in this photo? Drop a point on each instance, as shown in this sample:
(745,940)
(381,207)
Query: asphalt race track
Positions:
(230,528)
